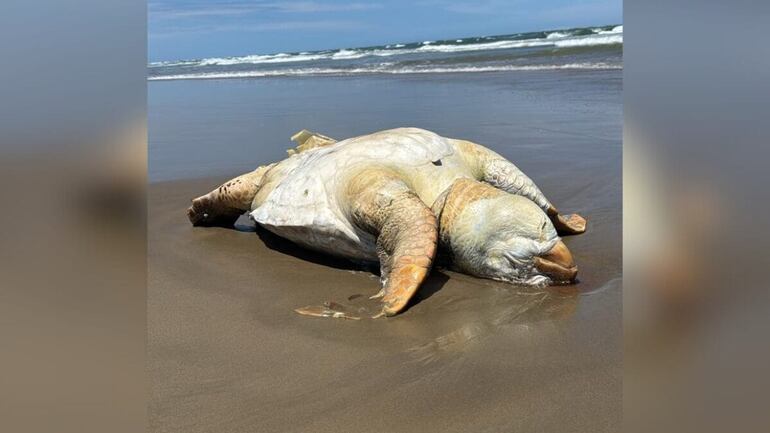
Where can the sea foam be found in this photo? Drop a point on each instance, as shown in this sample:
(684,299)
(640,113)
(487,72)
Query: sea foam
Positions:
(381,70)
(558,39)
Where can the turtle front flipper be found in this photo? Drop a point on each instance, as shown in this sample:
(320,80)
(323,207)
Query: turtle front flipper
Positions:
(497,171)
(406,230)
(572,224)
(503,174)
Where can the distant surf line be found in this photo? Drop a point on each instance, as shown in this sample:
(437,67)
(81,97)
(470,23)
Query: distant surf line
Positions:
(589,36)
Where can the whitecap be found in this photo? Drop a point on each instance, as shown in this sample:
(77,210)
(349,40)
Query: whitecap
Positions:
(554,38)
(590,41)
(557,35)
(615,30)
(348,54)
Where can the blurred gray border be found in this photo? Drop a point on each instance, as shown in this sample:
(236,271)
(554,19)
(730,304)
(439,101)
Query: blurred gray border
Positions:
(72,128)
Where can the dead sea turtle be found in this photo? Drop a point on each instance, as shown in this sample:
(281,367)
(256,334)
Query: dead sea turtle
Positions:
(394,197)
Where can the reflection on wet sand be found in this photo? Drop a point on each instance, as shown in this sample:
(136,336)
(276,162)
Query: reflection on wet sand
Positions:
(519,313)
(226,298)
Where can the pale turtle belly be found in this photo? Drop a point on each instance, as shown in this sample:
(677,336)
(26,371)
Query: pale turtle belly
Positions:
(317,221)
(307,207)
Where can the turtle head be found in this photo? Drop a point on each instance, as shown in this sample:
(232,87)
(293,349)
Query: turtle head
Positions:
(493,234)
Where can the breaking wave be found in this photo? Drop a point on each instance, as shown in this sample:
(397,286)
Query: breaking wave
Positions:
(588,48)
(557,39)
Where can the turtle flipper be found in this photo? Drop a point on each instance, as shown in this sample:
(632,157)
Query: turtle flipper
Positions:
(406,231)
(503,174)
(572,224)
(223,205)
(307,140)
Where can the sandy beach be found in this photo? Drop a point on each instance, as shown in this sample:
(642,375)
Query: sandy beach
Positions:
(226,351)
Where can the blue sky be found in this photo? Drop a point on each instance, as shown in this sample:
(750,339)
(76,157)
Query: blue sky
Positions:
(188,29)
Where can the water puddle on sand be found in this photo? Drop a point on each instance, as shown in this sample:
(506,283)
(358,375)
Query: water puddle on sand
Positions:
(330,309)
(357,307)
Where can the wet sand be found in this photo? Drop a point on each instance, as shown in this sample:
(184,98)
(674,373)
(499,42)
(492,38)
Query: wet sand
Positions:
(227,353)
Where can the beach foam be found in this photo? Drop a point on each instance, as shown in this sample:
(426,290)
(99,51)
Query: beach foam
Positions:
(557,39)
(381,70)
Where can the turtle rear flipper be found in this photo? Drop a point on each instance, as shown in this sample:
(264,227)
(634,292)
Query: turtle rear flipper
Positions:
(307,140)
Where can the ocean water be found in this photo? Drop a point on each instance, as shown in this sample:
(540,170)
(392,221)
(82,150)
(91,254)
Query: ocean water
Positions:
(540,104)
(588,48)
(542,120)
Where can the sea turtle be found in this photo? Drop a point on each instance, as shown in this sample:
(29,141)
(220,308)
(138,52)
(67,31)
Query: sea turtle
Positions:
(394,197)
